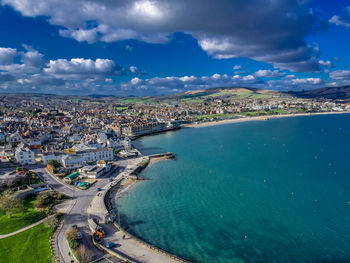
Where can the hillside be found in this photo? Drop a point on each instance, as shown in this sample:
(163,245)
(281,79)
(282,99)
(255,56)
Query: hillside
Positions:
(223,93)
(328,92)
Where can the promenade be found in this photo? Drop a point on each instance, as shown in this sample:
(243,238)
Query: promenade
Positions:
(128,247)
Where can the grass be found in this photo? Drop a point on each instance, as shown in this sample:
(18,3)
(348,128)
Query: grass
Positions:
(262,112)
(121,108)
(32,245)
(212,116)
(19,220)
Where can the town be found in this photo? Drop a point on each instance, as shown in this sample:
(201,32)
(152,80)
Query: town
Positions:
(61,158)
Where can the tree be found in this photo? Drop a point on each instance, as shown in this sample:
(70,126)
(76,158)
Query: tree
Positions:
(54,163)
(9,203)
(84,254)
(39,202)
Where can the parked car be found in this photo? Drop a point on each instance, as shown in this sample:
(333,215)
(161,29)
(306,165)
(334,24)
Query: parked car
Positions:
(110,244)
(98,189)
(79,235)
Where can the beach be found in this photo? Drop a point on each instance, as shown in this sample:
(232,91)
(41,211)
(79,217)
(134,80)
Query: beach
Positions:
(258,118)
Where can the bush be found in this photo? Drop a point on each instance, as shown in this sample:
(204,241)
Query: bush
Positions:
(73,244)
(84,254)
(39,202)
(51,222)
(71,234)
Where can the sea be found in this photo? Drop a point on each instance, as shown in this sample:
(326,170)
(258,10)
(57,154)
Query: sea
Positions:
(260,191)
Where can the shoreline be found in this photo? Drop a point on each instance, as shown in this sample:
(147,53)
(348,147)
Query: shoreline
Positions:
(259,118)
(118,191)
(130,185)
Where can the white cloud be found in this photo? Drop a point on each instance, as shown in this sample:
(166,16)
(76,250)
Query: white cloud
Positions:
(81,35)
(82,67)
(339,21)
(272,31)
(340,75)
(7,55)
(136,71)
(267,73)
(327,63)
(237,67)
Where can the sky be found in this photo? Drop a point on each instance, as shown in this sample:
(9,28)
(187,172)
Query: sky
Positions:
(155,47)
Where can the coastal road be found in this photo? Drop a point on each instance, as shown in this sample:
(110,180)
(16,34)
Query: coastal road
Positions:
(76,207)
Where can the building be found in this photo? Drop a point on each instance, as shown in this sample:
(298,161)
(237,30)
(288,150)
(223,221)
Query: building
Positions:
(25,156)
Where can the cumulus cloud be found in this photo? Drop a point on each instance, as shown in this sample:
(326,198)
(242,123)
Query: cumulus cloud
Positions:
(272,31)
(339,21)
(81,35)
(82,67)
(267,73)
(168,85)
(134,70)
(7,55)
(340,75)
(33,72)
(327,63)
(237,67)
(291,82)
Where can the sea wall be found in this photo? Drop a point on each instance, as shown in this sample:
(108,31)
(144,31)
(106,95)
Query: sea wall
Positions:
(112,210)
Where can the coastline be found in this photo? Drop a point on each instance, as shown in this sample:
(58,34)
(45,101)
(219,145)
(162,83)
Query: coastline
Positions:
(113,194)
(130,185)
(259,118)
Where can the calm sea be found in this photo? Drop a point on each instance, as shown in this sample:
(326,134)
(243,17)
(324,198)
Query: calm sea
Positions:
(260,191)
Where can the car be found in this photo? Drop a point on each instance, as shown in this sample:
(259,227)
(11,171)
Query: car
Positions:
(98,189)
(79,236)
(110,244)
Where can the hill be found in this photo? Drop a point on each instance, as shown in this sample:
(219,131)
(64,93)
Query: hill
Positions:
(335,93)
(223,93)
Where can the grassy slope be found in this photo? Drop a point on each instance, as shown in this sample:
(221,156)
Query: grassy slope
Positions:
(30,246)
(19,220)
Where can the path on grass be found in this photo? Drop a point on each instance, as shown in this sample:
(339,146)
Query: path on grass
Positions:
(25,228)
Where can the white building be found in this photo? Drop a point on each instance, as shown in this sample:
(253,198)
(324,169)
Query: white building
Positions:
(126,143)
(25,156)
(51,156)
(94,155)
(73,161)
(14,138)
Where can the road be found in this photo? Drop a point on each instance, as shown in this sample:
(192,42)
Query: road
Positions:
(76,207)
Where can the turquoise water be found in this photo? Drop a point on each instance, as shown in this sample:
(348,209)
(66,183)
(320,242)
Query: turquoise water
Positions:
(263,191)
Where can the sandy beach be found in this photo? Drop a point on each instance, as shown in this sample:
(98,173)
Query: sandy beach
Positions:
(258,118)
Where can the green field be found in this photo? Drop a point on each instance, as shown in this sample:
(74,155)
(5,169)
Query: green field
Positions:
(32,245)
(19,220)
(262,112)
(121,108)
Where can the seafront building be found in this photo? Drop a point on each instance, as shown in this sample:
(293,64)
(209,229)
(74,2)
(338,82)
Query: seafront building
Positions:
(76,133)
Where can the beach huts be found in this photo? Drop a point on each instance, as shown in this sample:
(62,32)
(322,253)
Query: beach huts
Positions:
(71,177)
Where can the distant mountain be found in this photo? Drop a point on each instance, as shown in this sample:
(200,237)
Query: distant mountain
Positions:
(329,93)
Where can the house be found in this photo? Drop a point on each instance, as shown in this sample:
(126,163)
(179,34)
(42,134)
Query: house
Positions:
(51,156)
(94,171)
(2,137)
(73,161)
(14,138)
(25,156)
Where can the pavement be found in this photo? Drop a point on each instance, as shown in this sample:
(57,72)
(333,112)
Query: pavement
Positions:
(128,247)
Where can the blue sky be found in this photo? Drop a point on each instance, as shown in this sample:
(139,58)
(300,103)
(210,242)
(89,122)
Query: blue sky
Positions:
(147,47)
